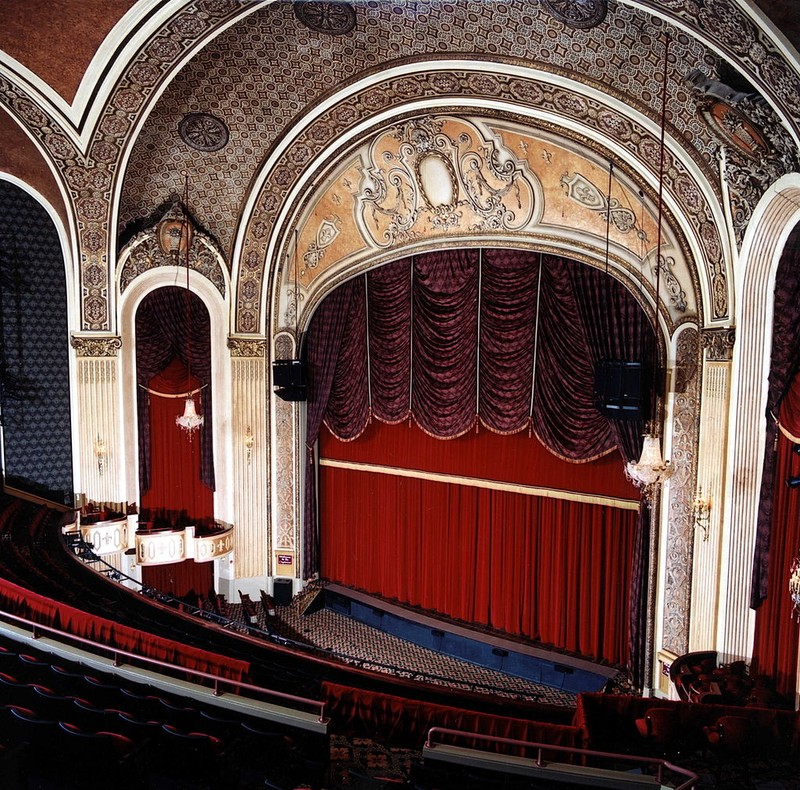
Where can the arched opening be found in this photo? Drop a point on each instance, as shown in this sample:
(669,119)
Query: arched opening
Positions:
(176,471)
(523,521)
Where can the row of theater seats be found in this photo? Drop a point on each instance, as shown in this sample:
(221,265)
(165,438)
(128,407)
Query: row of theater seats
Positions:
(62,728)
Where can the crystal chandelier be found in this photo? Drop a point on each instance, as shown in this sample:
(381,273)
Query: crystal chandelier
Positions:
(190,420)
(650,471)
(794,587)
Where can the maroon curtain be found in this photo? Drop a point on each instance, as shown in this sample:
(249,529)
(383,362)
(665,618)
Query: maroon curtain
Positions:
(775,647)
(784,364)
(553,570)
(457,340)
(177,493)
(173,323)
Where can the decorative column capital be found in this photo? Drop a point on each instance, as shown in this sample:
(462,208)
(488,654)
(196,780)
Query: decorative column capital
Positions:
(718,343)
(247,346)
(96,345)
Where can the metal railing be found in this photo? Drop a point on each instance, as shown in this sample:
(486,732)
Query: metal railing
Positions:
(123,658)
(541,748)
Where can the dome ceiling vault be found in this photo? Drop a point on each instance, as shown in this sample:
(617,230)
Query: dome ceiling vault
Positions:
(225,90)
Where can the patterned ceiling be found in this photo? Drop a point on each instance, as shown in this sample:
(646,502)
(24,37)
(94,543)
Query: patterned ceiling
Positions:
(268,70)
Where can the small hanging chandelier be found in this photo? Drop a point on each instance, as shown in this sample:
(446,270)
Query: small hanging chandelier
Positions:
(650,471)
(794,587)
(190,420)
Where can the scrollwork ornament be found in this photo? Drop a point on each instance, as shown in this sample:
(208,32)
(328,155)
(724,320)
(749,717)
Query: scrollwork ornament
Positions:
(108,346)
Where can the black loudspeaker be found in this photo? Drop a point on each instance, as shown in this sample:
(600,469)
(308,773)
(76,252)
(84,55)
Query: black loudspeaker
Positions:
(282,591)
(291,393)
(289,379)
(288,373)
(621,389)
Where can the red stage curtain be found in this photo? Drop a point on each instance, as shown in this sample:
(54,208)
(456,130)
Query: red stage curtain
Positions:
(551,570)
(775,644)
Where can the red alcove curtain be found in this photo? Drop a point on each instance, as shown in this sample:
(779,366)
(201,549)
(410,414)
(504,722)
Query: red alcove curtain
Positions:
(775,646)
(176,491)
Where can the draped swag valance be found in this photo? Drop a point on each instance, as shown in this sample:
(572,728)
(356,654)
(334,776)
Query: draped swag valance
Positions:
(503,339)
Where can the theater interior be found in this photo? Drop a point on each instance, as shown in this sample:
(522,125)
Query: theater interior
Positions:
(399,393)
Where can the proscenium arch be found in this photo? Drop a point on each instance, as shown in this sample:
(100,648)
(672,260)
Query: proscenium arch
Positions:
(264,233)
(220,373)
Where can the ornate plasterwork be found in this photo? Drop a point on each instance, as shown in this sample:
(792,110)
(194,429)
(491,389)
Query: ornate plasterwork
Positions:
(429,175)
(333,17)
(718,344)
(580,14)
(247,347)
(679,539)
(595,115)
(727,24)
(107,346)
(758,150)
(89,174)
(165,244)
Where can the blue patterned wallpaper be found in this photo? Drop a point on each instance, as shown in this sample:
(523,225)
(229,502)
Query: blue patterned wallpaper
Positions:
(34,351)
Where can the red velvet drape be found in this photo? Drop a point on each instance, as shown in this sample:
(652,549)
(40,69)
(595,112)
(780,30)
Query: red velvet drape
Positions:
(552,570)
(176,493)
(775,647)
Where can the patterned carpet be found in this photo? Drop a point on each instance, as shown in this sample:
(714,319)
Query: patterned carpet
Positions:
(375,649)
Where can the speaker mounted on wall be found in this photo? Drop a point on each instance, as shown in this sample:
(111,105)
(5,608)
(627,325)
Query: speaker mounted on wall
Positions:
(289,379)
(621,389)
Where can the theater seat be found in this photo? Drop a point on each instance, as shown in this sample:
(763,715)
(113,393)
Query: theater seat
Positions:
(660,728)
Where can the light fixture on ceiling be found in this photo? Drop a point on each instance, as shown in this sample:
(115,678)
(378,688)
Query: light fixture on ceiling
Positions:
(651,470)
(190,420)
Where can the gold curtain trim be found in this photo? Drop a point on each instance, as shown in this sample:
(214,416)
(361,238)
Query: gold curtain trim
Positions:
(788,435)
(171,395)
(476,482)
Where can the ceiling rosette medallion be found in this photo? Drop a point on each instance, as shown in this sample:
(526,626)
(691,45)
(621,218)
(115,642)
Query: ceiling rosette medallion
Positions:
(440,176)
(581,14)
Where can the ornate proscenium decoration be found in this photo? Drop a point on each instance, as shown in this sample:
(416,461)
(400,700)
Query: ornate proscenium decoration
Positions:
(794,587)
(701,507)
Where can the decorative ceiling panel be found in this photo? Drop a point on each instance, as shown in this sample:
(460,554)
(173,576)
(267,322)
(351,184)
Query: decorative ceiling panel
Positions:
(268,70)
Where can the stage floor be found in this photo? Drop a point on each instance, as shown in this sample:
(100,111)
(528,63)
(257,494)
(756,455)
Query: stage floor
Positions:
(333,627)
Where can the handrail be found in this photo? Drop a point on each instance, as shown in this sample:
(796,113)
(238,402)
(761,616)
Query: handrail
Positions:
(540,748)
(117,654)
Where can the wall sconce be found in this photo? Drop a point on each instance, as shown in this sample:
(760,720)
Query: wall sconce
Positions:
(248,444)
(101,453)
(701,507)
